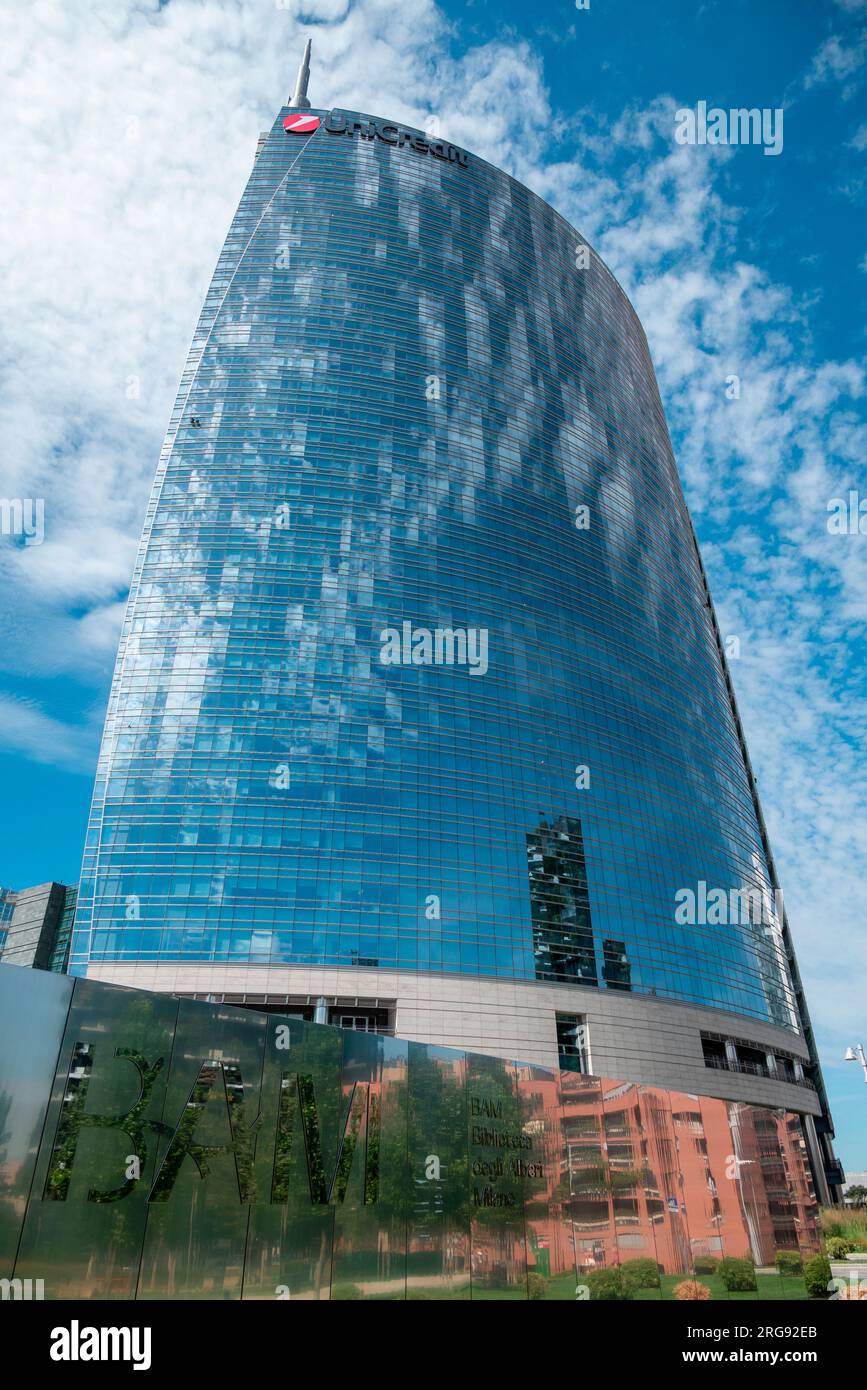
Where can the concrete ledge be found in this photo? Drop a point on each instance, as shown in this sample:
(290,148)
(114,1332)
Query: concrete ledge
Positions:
(634,1036)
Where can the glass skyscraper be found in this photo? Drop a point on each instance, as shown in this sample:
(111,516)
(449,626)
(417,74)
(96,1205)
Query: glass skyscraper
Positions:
(421,712)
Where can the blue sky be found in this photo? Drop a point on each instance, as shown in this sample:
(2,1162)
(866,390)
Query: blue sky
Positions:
(131,128)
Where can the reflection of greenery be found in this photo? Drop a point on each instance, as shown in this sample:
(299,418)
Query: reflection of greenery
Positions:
(309,1119)
(738,1275)
(371,1167)
(817,1276)
(596,1177)
(608,1285)
(561,1288)
(627,1178)
(291,1237)
(290,1091)
(73,1118)
(5,1111)
(86,1233)
(395,1152)
(848,1222)
(436,1122)
(184,1144)
(836,1248)
(642,1272)
(490,1080)
(361,1112)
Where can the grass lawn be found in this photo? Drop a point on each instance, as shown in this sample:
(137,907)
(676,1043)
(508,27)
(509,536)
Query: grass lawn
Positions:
(771,1287)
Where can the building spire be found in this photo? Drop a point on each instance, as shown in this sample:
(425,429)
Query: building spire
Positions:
(299,96)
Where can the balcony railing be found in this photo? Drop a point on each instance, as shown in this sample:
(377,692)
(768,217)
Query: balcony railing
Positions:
(756,1069)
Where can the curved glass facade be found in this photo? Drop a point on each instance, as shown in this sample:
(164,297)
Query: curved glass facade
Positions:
(419,668)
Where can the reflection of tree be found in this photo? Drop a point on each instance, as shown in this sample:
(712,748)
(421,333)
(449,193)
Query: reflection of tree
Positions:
(5,1111)
(291,1235)
(372,1164)
(622,1180)
(185,1144)
(74,1117)
(360,1125)
(85,1224)
(499,1260)
(436,1123)
(407,1118)
(595,1177)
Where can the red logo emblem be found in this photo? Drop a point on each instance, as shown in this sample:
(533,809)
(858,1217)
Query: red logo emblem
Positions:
(301,124)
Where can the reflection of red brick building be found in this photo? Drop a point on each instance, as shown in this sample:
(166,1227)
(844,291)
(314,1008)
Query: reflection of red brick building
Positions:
(775,1182)
(637,1172)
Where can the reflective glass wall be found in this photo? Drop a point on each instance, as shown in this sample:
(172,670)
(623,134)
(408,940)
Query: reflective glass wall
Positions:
(156,1148)
(419,669)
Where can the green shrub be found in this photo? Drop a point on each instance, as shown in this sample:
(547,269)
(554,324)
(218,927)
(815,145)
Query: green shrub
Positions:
(832,1226)
(817,1275)
(789,1262)
(642,1273)
(706,1264)
(535,1285)
(837,1247)
(608,1285)
(738,1276)
(345,1291)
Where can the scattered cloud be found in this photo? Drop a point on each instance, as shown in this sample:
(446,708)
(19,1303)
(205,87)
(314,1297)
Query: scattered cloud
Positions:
(26,730)
(838,60)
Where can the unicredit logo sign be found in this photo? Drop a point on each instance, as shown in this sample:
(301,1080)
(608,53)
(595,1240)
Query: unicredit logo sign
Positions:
(336,123)
(300,123)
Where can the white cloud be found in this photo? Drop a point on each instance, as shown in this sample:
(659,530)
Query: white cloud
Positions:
(25,729)
(837,61)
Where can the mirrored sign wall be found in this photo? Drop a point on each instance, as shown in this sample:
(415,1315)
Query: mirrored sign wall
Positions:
(157,1148)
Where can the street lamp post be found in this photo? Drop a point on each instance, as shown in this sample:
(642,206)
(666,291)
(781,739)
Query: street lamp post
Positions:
(856,1054)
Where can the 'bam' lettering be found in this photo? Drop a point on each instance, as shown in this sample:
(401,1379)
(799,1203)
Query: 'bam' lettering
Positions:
(218,1092)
